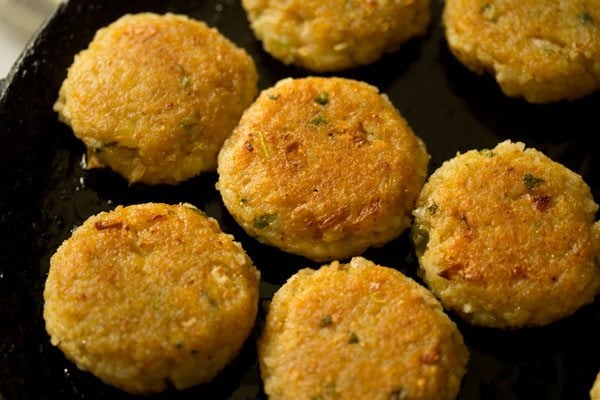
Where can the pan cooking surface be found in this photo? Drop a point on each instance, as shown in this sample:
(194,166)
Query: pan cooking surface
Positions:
(45,193)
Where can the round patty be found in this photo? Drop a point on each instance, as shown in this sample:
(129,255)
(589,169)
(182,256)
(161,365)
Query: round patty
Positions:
(336,34)
(542,50)
(506,237)
(322,167)
(359,331)
(154,96)
(142,296)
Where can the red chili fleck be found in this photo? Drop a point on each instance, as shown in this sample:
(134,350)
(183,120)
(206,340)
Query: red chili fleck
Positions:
(330,220)
(461,271)
(452,270)
(518,272)
(432,357)
(101,225)
(542,203)
(369,209)
(292,147)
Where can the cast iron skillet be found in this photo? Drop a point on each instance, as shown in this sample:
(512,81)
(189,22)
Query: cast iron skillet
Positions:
(45,193)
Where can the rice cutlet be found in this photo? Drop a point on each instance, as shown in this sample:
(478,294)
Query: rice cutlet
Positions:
(141,297)
(541,50)
(359,331)
(336,34)
(507,237)
(323,168)
(153,97)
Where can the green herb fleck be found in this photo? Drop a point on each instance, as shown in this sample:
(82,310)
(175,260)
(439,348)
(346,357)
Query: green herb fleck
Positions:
(487,153)
(489,12)
(585,18)
(549,51)
(243,201)
(264,146)
(209,299)
(158,298)
(322,98)
(190,121)
(179,345)
(318,120)
(187,81)
(353,338)
(531,182)
(282,42)
(432,208)
(329,391)
(99,146)
(326,321)
(419,237)
(274,96)
(399,394)
(262,221)
(193,208)
(187,124)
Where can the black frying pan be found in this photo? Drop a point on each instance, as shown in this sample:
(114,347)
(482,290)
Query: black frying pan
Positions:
(45,193)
